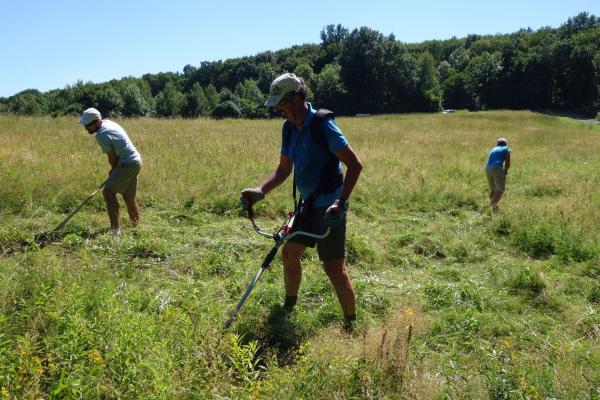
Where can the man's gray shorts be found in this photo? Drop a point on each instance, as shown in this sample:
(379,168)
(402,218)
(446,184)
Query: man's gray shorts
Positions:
(123,179)
(333,246)
(496,177)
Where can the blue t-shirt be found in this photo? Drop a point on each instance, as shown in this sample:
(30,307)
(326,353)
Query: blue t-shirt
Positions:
(309,158)
(497,156)
(111,136)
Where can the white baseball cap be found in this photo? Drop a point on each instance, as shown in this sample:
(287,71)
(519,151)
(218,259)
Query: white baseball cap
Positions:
(90,115)
(281,86)
(502,142)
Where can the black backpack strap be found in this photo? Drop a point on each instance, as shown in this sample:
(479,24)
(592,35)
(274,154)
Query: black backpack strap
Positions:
(331,176)
(316,129)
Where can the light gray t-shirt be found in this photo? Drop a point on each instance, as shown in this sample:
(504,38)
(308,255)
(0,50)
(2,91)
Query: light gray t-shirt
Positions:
(111,136)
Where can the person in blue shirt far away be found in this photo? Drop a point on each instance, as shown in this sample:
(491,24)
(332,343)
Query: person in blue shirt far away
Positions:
(496,170)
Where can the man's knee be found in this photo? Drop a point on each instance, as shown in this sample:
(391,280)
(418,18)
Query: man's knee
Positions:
(129,199)
(291,253)
(334,267)
(108,194)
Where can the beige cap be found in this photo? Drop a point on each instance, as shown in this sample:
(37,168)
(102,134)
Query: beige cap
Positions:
(281,86)
(90,115)
(502,141)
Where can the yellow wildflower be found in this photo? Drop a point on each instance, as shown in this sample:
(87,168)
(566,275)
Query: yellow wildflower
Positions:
(95,356)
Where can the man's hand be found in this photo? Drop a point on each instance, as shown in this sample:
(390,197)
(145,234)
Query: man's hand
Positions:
(335,213)
(252,195)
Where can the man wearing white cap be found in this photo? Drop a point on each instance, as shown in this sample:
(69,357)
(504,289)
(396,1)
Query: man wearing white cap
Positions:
(312,147)
(125,162)
(496,170)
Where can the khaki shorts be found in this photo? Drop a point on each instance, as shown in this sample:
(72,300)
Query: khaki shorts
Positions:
(123,179)
(333,246)
(496,177)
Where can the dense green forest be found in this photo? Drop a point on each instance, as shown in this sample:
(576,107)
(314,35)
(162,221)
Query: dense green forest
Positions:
(362,71)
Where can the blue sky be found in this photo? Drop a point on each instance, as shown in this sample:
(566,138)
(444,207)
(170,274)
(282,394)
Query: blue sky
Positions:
(49,44)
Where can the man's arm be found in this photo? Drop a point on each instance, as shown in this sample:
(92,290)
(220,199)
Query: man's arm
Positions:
(507,163)
(284,169)
(353,168)
(112,158)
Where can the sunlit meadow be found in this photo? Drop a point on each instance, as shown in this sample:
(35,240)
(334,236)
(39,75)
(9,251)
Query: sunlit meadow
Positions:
(453,300)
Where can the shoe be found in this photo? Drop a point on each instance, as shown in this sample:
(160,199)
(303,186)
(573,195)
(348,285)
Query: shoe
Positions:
(115,232)
(349,323)
(290,302)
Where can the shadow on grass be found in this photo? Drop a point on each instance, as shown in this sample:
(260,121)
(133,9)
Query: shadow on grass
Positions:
(282,337)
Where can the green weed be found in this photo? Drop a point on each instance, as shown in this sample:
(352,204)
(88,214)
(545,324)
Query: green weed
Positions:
(537,241)
(429,246)
(527,280)
(573,247)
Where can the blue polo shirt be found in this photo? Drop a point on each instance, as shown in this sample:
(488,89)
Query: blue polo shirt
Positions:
(309,158)
(497,156)
(111,136)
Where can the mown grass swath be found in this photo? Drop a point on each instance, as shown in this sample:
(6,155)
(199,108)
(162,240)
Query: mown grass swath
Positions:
(454,301)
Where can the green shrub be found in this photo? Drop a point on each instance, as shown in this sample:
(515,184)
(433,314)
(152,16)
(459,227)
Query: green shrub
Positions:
(73,240)
(403,239)
(227,109)
(438,295)
(594,295)
(536,242)
(460,251)
(527,280)
(501,226)
(573,247)
(429,247)
(359,249)
(589,327)
(144,248)
(454,324)
(444,295)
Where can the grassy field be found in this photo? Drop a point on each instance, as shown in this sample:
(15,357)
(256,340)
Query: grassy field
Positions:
(453,301)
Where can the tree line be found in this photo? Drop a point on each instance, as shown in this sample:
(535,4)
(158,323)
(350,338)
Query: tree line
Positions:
(361,71)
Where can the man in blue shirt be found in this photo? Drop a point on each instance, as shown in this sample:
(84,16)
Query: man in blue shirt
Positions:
(125,162)
(496,170)
(324,204)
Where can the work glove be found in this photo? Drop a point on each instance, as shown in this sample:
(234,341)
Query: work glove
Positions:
(335,214)
(252,196)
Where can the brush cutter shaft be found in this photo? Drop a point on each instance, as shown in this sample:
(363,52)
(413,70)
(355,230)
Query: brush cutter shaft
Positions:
(267,261)
(62,224)
(50,236)
(244,297)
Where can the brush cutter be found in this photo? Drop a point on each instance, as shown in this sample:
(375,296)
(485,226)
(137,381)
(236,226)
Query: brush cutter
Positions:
(44,238)
(280,236)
